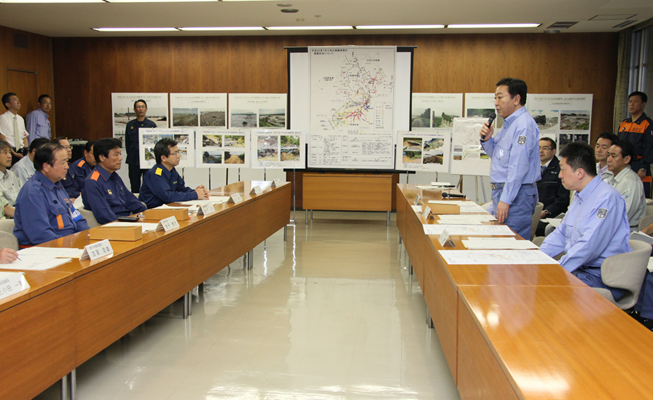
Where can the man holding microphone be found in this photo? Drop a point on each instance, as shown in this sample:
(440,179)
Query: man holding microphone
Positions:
(514,151)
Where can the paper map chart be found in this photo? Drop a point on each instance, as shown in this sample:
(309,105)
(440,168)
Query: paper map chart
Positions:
(352,95)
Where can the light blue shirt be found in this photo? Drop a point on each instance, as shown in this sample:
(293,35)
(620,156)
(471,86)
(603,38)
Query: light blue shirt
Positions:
(24,168)
(37,123)
(515,154)
(595,227)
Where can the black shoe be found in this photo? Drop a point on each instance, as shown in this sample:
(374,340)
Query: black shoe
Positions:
(633,313)
(648,323)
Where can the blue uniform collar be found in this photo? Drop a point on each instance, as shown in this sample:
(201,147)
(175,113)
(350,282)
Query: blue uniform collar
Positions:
(103,172)
(587,190)
(166,174)
(43,113)
(38,175)
(514,116)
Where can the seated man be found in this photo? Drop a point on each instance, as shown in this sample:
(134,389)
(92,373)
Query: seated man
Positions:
(552,194)
(9,182)
(162,184)
(601,150)
(68,182)
(627,182)
(24,168)
(104,192)
(83,167)
(43,210)
(596,225)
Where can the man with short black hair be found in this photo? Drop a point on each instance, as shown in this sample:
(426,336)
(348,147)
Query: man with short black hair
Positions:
(24,168)
(550,190)
(9,181)
(43,210)
(638,130)
(162,184)
(83,167)
(515,164)
(38,121)
(104,192)
(131,143)
(69,181)
(601,150)
(626,181)
(12,126)
(595,226)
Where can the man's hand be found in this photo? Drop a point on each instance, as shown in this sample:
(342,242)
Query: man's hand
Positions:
(543,215)
(202,194)
(641,173)
(18,155)
(486,132)
(8,255)
(502,211)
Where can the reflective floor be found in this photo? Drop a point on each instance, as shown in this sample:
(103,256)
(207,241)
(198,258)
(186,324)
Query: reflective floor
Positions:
(330,314)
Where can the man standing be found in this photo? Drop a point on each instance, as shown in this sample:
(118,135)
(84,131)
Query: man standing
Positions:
(38,121)
(104,192)
(551,192)
(162,184)
(626,181)
(131,143)
(83,167)
(596,225)
(601,150)
(12,126)
(638,130)
(515,159)
(24,168)
(43,210)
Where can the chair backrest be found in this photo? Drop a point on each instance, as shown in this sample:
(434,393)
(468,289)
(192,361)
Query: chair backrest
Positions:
(89,217)
(7,238)
(649,208)
(536,218)
(626,271)
(538,240)
(646,221)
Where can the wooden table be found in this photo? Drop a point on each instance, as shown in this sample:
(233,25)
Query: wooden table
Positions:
(443,287)
(82,307)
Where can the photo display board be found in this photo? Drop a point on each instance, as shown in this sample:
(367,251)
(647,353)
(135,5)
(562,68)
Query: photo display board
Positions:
(148,137)
(351,107)
(481,105)
(277,149)
(122,110)
(198,109)
(565,118)
(257,110)
(435,110)
(467,155)
(423,150)
(221,148)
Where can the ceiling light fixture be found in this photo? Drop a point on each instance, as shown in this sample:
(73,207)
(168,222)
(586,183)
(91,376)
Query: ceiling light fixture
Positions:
(308,28)
(222,28)
(136,29)
(464,26)
(399,26)
(50,1)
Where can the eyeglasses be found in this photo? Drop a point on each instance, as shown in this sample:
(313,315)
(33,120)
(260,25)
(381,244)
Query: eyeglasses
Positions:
(174,153)
(545,148)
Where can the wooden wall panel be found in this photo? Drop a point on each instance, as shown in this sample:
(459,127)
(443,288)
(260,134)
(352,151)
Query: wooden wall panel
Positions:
(88,70)
(38,58)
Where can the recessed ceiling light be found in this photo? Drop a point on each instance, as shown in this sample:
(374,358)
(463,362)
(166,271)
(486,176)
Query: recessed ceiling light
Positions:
(136,29)
(399,26)
(289,10)
(308,28)
(284,5)
(493,26)
(611,17)
(222,28)
(51,1)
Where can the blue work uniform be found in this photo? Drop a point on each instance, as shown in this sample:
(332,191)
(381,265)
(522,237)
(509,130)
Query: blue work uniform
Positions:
(105,194)
(44,212)
(161,186)
(80,171)
(69,184)
(595,227)
(515,169)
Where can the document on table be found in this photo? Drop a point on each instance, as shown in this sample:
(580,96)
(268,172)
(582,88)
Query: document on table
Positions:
(436,184)
(490,257)
(35,262)
(466,207)
(469,230)
(145,226)
(498,243)
(54,252)
(470,218)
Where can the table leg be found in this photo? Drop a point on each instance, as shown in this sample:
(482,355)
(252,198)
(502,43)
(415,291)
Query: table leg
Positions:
(69,386)
(285,233)
(250,259)
(186,306)
(410,267)
(306,216)
(388,222)
(429,320)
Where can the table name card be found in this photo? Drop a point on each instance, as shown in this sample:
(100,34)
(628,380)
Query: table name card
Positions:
(256,190)
(12,283)
(167,224)
(236,198)
(426,214)
(418,200)
(97,250)
(206,209)
(276,182)
(444,237)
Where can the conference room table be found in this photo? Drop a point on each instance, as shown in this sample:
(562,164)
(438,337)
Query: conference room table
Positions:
(523,331)
(72,312)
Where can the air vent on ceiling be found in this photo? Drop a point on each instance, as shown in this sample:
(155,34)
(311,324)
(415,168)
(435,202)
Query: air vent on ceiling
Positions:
(625,24)
(562,25)
(611,17)
(21,40)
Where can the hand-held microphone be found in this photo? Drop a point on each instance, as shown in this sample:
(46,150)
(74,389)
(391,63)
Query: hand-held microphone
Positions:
(452,195)
(489,124)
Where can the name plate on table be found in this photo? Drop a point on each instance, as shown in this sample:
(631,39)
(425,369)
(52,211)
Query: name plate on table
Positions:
(444,237)
(276,182)
(256,190)
(426,214)
(236,198)
(418,200)
(206,209)
(167,224)
(12,283)
(97,250)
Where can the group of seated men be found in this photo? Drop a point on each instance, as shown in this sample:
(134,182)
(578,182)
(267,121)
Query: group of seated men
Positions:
(44,207)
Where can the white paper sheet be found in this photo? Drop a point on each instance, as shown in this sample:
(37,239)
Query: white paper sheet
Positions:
(31,262)
(440,184)
(498,243)
(53,252)
(145,226)
(465,219)
(490,257)
(555,222)
(469,230)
